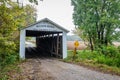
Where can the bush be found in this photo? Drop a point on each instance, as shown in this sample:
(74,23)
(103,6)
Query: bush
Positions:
(8,56)
(82,55)
(110,51)
(7,52)
(106,60)
(111,58)
(118,60)
(86,54)
(118,48)
(101,59)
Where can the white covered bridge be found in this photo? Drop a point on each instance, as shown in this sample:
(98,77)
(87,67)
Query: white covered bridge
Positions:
(50,37)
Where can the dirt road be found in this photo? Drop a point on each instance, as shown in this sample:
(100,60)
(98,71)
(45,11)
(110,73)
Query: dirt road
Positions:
(53,69)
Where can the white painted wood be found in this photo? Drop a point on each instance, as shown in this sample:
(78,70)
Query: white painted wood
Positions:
(43,27)
(22,44)
(64,43)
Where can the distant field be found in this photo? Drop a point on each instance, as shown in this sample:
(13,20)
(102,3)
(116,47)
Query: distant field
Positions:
(116,43)
(70,45)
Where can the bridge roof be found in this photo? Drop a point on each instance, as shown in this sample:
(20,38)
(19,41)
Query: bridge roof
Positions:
(38,26)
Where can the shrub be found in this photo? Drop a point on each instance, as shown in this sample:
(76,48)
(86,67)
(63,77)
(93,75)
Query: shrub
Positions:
(118,60)
(110,61)
(7,52)
(110,51)
(111,58)
(101,59)
(8,56)
(118,48)
(85,55)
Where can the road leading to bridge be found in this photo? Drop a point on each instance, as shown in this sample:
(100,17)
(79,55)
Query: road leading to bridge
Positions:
(53,69)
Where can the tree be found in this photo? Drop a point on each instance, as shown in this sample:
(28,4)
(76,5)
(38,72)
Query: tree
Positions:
(12,18)
(27,17)
(32,1)
(98,20)
(30,14)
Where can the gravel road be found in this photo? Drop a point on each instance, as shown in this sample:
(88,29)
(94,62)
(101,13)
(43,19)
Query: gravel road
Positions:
(53,69)
(66,71)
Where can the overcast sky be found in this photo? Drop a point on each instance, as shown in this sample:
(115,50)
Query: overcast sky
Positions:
(59,11)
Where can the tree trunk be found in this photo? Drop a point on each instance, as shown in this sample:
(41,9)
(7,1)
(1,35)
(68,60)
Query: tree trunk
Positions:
(91,44)
(102,34)
(107,35)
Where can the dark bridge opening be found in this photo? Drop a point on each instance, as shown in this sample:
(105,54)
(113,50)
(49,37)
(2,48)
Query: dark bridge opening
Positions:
(48,44)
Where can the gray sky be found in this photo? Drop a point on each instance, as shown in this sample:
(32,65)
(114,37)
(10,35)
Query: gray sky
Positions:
(59,11)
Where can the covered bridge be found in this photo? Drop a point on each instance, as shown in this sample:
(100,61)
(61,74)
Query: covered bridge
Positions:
(49,36)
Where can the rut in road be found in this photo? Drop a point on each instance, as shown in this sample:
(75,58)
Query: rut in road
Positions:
(53,69)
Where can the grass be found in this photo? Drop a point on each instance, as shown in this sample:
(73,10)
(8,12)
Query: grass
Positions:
(94,60)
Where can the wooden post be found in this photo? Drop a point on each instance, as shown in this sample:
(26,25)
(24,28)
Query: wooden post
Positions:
(52,43)
(60,46)
(57,49)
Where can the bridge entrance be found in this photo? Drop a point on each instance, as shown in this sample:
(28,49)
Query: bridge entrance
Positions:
(50,39)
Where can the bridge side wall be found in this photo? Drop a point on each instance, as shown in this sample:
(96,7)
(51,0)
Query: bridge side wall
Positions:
(22,44)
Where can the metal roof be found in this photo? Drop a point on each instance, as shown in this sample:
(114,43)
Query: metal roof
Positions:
(50,21)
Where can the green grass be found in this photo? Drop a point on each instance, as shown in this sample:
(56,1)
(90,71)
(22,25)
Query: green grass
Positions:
(95,60)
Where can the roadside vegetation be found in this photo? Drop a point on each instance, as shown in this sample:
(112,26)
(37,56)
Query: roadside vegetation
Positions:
(98,24)
(108,62)
(13,17)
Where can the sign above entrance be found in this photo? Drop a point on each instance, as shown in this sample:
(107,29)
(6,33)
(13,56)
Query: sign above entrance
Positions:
(44,26)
